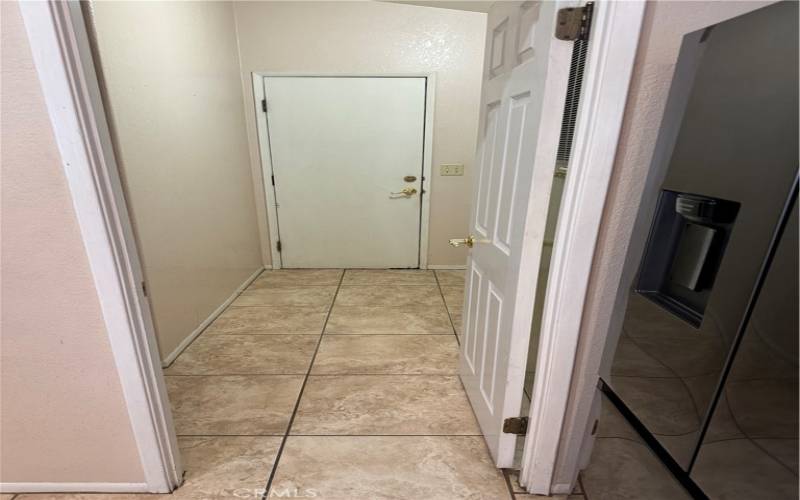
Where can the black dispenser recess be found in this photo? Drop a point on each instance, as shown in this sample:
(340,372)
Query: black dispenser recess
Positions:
(684,250)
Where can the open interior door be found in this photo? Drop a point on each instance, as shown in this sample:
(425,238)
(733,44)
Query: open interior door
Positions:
(525,80)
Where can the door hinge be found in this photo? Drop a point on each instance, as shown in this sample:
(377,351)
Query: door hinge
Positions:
(574,23)
(516,425)
(279,246)
(144,288)
(264,105)
(272,177)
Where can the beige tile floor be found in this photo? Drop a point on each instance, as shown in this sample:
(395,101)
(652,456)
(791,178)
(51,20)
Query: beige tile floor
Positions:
(335,384)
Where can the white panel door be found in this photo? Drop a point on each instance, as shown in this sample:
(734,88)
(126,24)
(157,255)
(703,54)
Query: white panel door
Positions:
(524,88)
(340,147)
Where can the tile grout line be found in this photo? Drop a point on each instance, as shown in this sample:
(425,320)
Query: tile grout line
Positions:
(331,435)
(300,394)
(384,374)
(329,333)
(453,374)
(508,483)
(583,486)
(449,375)
(388,334)
(390,435)
(348,285)
(449,317)
(248,374)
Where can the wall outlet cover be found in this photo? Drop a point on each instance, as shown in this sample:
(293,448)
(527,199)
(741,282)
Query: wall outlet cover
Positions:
(451,169)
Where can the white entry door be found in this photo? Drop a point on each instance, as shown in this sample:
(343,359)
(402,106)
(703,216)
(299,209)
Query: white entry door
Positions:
(524,88)
(347,158)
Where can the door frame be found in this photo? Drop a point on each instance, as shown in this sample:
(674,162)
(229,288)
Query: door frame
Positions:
(60,45)
(265,152)
(62,54)
(613,43)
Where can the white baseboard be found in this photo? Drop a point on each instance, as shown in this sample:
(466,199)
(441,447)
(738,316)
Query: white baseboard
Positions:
(73,487)
(197,331)
(444,267)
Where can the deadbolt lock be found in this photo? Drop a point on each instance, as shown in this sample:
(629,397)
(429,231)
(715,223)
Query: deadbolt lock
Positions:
(410,178)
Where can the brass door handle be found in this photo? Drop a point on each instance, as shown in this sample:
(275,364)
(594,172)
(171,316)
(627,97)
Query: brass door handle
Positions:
(405,192)
(469,241)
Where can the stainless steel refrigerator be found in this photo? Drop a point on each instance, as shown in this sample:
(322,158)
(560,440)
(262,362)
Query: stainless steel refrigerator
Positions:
(707,362)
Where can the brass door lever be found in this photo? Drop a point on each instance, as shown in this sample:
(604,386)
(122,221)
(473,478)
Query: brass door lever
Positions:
(405,192)
(468,242)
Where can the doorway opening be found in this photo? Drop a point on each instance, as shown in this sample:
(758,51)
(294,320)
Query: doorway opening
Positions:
(287,314)
(342,334)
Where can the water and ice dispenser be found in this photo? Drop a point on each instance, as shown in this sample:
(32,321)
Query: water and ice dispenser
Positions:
(685,247)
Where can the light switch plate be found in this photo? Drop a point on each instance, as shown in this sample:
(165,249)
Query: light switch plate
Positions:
(451,169)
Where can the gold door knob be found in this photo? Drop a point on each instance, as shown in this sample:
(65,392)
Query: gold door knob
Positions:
(405,192)
(469,241)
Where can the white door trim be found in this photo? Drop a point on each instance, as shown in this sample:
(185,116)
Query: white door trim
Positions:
(266,155)
(62,54)
(610,60)
(59,42)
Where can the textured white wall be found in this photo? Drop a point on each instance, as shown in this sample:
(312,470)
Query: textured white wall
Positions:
(171,73)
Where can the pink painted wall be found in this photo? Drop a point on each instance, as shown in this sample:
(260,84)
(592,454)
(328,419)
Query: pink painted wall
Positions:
(62,413)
